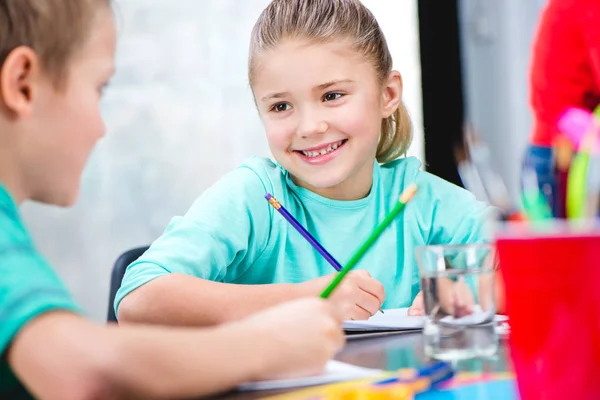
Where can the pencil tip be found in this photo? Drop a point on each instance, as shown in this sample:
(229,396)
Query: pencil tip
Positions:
(268,196)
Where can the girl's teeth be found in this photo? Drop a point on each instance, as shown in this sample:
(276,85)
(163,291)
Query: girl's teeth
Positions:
(329,149)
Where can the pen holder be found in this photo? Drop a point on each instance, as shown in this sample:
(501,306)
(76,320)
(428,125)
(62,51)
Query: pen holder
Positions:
(552,291)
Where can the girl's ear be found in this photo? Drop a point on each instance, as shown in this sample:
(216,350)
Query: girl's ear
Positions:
(392,94)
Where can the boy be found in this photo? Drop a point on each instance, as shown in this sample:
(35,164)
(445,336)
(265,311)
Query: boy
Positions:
(55,58)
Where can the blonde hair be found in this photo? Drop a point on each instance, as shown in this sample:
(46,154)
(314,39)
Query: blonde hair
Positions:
(54,29)
(322,21)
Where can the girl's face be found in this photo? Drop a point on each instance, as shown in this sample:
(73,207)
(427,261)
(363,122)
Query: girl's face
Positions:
(322,107)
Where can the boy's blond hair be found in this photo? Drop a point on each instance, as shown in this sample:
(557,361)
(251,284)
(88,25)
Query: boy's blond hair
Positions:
(322,21)
(54,29)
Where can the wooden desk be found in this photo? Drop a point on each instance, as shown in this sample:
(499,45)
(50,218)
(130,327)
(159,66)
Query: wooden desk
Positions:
(392,353)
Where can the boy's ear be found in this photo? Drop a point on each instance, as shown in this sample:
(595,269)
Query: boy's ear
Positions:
(18,79)
(392,93)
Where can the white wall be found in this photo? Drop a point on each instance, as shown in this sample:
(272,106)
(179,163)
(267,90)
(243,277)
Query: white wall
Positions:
(179,114)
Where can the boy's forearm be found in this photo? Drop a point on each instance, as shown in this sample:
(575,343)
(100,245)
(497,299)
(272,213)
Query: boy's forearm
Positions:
(62,356)
(178,299)
(186,362)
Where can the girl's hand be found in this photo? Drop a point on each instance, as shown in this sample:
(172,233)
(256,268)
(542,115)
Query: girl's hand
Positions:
(358,297)
(417,308)
(455,299)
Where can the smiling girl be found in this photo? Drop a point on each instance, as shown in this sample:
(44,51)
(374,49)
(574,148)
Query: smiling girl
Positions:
(322,78)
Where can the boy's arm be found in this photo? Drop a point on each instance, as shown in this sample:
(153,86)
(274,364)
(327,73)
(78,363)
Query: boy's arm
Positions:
(61,356)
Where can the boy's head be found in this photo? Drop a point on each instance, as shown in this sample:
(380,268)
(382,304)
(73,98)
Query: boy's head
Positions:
(55,58)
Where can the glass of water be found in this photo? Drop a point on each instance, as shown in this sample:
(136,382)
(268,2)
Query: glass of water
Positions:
(458,293)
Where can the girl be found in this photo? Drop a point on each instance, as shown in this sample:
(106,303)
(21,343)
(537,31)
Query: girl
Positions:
(322,78)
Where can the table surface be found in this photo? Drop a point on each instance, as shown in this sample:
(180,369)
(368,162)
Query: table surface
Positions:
(392,352)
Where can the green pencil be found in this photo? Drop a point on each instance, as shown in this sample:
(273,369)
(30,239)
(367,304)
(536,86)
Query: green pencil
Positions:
(405,197)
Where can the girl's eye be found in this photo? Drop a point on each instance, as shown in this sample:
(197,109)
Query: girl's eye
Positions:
(332,96)
(281,107)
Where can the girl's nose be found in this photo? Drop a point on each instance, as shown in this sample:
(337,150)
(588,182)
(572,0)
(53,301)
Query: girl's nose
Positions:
(311,124)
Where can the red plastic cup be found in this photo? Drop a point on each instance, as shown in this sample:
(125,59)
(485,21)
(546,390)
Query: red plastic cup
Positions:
(552,293)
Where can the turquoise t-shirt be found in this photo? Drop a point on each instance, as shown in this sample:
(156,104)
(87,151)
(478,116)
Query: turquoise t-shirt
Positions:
(28,288)
(231,234)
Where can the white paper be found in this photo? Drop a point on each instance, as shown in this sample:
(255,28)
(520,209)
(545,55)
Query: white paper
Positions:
(392,319)
(398,319)
(478,317)
(335,371)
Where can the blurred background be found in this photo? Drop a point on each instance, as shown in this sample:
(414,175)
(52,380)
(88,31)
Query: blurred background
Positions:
(180,114)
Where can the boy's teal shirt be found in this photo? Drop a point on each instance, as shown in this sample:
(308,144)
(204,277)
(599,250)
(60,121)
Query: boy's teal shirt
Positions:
(28,288)
(231,234)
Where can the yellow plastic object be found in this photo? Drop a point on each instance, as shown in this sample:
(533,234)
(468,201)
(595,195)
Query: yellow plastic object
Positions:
(388,392)
(577,179)
(577,185)
(365,389)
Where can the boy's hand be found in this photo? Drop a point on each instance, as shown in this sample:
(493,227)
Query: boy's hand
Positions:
(298,337)
(358,297)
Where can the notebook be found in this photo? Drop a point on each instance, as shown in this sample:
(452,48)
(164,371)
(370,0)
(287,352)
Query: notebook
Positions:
(335,371)
(397,319)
